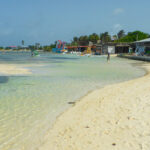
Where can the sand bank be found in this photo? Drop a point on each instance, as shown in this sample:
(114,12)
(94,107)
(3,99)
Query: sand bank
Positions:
(116,117)
(13,69)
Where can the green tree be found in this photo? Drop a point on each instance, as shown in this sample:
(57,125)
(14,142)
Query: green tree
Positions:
(75,39)
(83,40)
(1,47)
(31,47)
(47,48)
(93,38)
(53,45)
(134,36)
(105,37)
(121,34)
(115,37)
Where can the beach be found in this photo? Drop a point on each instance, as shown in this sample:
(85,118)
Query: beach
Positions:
(115,117)
(53,99)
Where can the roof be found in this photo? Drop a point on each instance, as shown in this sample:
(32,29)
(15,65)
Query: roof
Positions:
(12,46)
(24,46)
(76,46)
(143,41)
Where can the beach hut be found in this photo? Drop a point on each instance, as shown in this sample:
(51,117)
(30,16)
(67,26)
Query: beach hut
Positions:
(142,47)
(122,48)
(113,48)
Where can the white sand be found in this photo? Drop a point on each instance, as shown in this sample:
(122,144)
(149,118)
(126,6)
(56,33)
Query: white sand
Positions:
(116,117)
(13,69)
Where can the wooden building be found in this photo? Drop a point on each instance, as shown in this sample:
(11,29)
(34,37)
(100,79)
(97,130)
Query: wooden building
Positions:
(113,48)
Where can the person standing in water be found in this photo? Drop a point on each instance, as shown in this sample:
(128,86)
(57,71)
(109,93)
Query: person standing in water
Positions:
(108,57)
(32,52)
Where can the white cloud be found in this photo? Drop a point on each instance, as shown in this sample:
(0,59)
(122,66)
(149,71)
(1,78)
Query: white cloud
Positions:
(117,26)
(118,11)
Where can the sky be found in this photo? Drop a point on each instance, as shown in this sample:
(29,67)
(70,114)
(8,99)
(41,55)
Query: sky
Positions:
(45,21)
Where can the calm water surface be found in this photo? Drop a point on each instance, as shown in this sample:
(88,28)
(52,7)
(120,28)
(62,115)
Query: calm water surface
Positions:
(30,103)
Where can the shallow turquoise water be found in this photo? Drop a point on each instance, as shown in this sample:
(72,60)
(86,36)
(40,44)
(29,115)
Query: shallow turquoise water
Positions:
(30,104)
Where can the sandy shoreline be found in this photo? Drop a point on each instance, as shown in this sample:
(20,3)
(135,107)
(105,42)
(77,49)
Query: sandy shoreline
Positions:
(13,69)
(114,117)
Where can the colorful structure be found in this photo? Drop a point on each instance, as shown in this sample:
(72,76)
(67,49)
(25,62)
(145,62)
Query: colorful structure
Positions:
(88,51)
(60,47)
(12,47)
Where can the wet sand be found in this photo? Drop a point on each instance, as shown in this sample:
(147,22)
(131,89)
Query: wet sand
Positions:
(13,69)
(116,117)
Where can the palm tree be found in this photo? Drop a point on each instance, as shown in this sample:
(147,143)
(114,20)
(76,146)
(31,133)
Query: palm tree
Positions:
(22,42)
(93,38)
(75,39)
(105,37)
(121,34)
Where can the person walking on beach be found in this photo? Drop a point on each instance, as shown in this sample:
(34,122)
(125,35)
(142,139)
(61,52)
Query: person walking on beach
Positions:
(108,57)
